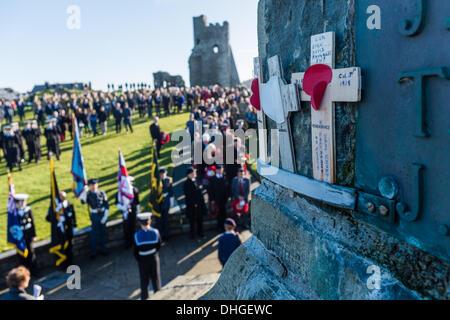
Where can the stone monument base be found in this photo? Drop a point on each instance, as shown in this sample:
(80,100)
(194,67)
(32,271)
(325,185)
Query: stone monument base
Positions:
(303,251)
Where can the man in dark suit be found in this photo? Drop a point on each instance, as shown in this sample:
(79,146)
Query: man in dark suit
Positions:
(240,187)
(166,204)
(195,204)
(218,192)
(240,191)
(155,132)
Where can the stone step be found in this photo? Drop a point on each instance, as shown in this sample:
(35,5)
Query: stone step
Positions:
(189,287)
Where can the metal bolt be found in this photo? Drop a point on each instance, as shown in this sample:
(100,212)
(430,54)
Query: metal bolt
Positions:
(383,211)
(388,187)
(401,207)
(444,230)
(370,207)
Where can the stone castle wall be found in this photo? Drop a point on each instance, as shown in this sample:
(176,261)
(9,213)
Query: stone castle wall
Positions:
(207,66)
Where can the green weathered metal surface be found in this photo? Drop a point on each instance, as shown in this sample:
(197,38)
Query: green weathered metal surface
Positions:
(404,118)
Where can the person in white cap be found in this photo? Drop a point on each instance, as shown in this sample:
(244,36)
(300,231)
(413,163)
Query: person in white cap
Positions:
(52,136)
(15,128)
(147,243)
(26,223)
(11,148)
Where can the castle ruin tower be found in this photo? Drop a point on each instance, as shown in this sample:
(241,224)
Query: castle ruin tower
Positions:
(211,61)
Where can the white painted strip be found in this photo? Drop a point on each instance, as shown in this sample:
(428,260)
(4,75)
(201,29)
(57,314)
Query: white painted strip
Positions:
(342,197)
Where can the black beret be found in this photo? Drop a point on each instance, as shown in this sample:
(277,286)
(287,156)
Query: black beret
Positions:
(93,181)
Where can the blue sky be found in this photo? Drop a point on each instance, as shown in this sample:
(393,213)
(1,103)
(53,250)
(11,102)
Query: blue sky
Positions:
(118,42)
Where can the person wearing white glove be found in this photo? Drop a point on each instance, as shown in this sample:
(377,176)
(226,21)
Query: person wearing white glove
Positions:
(129,212)
(162,223)
(66,223)
(98,204)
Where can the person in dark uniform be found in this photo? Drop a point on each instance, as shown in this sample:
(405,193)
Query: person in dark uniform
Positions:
(156,100)
(51,134)
(69,225)
(232,169)
(166,104)
(162,223)
(2,137)
(37,139)
(129,215)
(155,132)
(228,241)
(26,223)
(218,192)
(30,139)
(141,105)
(18,133)
(149,104)
(70,220)
(98,203)
(117,113)
(11,149)
(39,115)
(195,203)
(147,243)
(127,115)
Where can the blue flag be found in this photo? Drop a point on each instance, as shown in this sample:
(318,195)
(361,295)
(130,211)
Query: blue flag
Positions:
(78,171)
(14,233)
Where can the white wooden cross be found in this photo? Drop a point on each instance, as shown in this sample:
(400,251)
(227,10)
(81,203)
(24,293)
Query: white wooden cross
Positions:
(344,87)
(278,100)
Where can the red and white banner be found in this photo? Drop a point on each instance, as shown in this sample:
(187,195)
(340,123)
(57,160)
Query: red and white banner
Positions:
(126,195)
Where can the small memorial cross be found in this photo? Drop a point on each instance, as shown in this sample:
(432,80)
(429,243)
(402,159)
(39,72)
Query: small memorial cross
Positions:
(342,85)
(278,100)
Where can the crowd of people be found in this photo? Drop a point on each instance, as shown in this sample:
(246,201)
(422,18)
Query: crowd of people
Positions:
(52,115)
(219,110)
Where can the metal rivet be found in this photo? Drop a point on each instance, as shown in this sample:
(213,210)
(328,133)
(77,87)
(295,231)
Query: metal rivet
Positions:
(388,187)
(401,207)
(383,210)
(444,230)
(370,207)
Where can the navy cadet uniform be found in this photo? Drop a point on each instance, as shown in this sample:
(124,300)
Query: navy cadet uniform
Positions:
(26,223)
(69,223)
(2,137)
(19,135)
(37,137)
(29,135)
(51,134)
(11,145)
(147,243)
(98,202)
(166,204)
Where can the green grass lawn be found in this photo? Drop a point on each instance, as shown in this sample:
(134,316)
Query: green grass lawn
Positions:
(101,161)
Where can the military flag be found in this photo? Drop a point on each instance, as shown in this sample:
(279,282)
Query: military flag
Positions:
(125,193)
(156,193)
(15,236)
(55,216)
(78,171)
